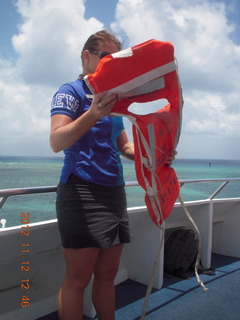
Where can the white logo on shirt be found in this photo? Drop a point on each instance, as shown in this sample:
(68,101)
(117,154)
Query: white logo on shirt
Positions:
(65,101)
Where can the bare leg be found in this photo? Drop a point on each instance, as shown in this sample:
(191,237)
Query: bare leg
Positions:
(103,293)
(79,269)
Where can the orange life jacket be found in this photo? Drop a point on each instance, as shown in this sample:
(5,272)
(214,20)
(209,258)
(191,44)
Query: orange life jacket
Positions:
(144,73)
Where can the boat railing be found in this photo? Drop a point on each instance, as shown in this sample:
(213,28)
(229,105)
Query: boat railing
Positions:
(224,182)
(6,193)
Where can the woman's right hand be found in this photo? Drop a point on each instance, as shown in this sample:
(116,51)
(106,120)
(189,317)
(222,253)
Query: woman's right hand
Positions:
(102,105)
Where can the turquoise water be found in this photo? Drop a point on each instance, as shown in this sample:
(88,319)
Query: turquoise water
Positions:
(206,169)
(19,172)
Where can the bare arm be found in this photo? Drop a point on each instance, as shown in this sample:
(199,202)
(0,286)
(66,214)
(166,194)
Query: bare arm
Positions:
(65,132)
(125,146)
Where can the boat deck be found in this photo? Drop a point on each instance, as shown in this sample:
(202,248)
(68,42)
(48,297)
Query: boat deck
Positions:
(183,299)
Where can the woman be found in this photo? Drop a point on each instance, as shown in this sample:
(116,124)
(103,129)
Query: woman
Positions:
(91,201)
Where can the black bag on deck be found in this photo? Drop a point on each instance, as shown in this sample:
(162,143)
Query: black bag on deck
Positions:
(180,251)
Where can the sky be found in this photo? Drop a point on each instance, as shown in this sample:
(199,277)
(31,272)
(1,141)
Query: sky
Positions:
(40,45)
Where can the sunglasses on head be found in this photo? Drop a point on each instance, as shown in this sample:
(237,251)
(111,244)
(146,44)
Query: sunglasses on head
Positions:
(100,54)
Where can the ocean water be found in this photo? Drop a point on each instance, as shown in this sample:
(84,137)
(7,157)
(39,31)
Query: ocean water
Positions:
(23,172)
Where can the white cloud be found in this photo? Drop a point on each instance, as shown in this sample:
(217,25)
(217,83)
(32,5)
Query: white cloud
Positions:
(50,39)
(49,42)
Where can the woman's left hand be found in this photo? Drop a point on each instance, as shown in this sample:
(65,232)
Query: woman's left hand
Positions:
(171,158)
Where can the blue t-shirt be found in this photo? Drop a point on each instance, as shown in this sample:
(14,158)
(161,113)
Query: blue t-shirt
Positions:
(95,157)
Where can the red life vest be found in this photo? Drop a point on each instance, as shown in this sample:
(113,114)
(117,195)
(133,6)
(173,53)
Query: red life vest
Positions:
(144,73)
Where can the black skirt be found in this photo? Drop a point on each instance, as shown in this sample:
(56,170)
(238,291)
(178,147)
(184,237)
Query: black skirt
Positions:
(91,215)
